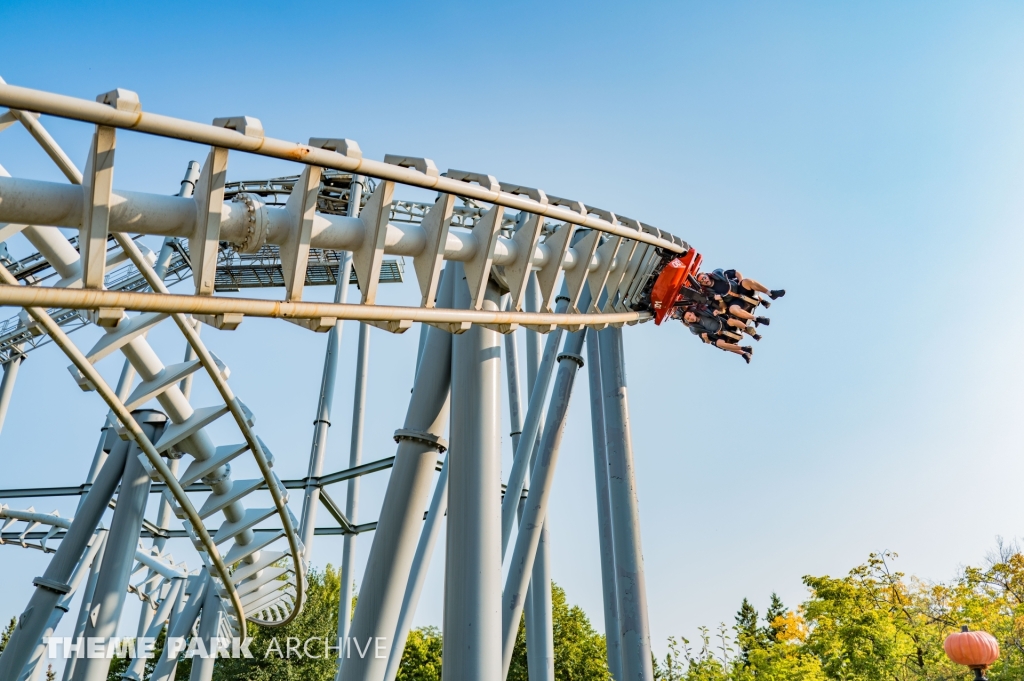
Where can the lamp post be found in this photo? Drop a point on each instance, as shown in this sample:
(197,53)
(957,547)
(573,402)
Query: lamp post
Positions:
(974,649)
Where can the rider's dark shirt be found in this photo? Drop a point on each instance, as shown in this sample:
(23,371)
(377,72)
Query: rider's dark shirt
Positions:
(706,324)
(720,283)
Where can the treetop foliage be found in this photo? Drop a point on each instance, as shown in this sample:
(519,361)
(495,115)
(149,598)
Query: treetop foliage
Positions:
(874,624)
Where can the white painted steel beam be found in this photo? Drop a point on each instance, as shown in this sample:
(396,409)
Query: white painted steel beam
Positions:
(97,186)
(204,240)
(368,255)
(430,261)
(478,268)
(79,299)
(45,203)
(295,251)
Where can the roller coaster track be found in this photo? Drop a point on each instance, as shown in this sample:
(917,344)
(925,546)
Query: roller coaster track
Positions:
(612,255)
(160,565)
(267,585)
(288,232)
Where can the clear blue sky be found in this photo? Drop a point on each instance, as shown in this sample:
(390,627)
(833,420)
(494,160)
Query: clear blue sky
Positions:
(868,157)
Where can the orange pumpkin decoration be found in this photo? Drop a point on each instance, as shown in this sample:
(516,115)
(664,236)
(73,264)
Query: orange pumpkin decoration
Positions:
(974,649)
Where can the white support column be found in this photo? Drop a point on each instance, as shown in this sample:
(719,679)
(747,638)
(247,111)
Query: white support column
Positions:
(538,388)
(86,604)
(418,574)
(472,609)
(401,517)
(539,619)
(311,500)
(542,618)
(604,519)
(34,668)
(348,549)
(322,424)
(171,594)
(181,624)
(7,385)
(54,582)
(522,563)
(119,554)
(634,628)
(209,626)
(536,369)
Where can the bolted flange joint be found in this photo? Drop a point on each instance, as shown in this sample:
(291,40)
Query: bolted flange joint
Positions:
(213,478)
(256,222)
(51,585)
(572,356)
(423,437)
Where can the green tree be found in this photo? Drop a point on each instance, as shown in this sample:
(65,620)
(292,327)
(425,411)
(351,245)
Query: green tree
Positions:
(874,623)
(271,661)
(580,653)
(869,625)
(421,659)
(761,659)
(118,666)
(710,662)
(750,635)
(776,610)
(7,633)
(518,669)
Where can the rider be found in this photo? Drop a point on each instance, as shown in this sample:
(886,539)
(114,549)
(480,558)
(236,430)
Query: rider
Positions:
(716,320)
(739,307)
(710,329)
(730,284)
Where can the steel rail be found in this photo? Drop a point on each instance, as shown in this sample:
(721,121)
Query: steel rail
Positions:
(135,432)
(132,251)
(74,108)
(89,299)
(255,446)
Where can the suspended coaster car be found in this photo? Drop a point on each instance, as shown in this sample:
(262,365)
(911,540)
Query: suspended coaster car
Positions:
(676,275)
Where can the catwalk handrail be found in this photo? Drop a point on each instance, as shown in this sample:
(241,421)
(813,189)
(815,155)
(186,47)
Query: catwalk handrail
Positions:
(73,108)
